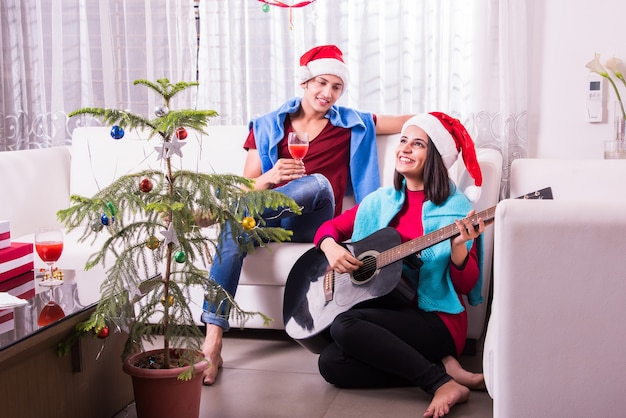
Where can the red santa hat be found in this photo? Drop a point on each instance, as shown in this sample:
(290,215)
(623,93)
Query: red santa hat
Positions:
(324,59)
(450,137)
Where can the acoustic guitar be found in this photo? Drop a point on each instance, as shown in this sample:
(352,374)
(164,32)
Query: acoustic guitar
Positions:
(315,294)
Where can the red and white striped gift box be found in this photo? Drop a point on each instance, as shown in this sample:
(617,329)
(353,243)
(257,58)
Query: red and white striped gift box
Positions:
(5,234)
(21,286)
(18,258)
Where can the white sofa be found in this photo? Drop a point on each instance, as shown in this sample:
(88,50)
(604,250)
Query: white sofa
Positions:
(555,339)
(41,181)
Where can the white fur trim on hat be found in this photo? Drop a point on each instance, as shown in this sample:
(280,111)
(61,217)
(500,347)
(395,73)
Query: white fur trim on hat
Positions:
(324,66)
(445,144)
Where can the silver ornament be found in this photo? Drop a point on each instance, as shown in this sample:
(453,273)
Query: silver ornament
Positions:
(161,110)
(96,225)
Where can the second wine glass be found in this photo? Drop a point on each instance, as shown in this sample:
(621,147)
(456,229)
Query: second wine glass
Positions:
(298,143)
(49,247)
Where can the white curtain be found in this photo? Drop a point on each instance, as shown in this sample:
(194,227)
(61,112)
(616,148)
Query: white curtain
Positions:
(58,56)
(463,57)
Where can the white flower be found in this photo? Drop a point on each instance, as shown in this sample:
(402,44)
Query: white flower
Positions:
(614,65)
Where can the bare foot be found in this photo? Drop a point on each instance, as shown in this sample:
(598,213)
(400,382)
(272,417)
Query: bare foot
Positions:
(212,350)
(466,378)
(448,394)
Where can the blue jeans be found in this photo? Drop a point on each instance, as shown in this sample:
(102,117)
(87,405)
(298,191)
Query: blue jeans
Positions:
(314,194)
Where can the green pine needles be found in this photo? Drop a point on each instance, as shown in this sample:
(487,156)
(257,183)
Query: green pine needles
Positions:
(151,221)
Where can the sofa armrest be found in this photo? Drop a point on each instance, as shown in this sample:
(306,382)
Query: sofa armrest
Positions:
(555,337)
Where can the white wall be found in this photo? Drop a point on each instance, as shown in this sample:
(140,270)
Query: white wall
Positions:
(563,37)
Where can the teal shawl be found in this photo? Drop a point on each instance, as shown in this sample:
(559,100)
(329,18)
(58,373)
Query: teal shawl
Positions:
(435,291)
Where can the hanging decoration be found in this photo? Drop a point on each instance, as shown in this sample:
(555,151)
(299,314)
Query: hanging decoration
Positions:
(268,3)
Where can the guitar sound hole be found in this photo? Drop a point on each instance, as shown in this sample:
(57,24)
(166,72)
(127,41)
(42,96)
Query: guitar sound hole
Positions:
(366,272)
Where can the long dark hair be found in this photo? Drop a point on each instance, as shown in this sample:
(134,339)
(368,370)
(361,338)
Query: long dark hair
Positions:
(436,180)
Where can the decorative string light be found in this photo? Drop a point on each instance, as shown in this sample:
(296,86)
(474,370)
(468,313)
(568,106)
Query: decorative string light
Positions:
(268,3)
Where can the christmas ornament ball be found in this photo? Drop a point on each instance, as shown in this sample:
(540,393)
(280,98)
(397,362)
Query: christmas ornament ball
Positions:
(161,110)
(96,225)
(153,242)
(104,219)
(117,132)
(181,133)
(170,300)
(248,223)
(103,333)
(145,185)
(265,8)
(180,257)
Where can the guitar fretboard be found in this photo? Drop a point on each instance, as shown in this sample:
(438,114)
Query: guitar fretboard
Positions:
(418,244)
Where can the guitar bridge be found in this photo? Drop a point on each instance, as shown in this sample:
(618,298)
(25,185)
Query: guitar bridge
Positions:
(329,285)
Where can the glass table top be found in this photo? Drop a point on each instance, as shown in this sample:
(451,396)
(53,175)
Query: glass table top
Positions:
(78,291)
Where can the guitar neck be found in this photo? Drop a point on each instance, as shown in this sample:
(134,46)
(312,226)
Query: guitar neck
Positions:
(418,244)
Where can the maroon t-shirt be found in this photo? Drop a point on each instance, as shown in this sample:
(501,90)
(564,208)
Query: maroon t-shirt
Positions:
(329,154)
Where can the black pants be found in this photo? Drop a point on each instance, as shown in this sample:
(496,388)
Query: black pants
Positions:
(381,344)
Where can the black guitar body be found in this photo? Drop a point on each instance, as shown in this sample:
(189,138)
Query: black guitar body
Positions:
(309,305)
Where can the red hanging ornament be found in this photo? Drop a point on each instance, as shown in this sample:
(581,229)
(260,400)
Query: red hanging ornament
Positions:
(285,5)
(103,333)
(145,185)
(181,133)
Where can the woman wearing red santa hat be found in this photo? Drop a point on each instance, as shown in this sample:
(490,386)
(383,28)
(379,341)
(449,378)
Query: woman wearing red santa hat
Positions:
(415,340)
(342,152)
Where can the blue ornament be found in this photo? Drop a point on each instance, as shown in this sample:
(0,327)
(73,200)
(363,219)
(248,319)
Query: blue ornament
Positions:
(105,219)
(117,132)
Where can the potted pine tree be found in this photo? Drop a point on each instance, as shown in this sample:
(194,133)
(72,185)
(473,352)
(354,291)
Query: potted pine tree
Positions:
(151,218)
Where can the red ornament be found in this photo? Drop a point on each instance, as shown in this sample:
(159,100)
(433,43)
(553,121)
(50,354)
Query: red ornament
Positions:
(104,332)
(145,185)
(181,133)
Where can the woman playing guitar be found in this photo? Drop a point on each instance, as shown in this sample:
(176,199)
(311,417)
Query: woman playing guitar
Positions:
(390,341)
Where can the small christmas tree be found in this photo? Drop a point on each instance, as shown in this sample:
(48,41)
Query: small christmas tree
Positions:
(153,219)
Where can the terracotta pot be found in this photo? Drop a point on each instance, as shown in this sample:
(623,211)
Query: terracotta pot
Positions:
(160,394)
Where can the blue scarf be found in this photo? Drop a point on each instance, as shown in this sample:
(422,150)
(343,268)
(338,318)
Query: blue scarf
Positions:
(435,291)
(364,173)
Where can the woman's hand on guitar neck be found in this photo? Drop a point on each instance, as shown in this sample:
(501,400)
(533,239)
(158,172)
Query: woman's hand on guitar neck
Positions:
(339,258)
(467,231)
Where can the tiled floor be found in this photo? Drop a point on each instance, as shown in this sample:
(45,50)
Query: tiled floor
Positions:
(267,375)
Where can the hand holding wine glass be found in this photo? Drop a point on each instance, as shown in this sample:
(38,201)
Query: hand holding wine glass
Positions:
(298,143)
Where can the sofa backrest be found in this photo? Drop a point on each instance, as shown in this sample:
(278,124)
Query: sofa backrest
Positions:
(99,159)
(34,185)
(570,179)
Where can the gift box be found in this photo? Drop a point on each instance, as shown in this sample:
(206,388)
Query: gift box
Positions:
(5,234)
(21,286)
(17,259)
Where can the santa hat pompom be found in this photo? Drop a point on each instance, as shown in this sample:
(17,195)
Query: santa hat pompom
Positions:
(450,137)
(324,59)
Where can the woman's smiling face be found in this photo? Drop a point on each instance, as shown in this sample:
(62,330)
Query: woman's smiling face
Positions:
(411,156)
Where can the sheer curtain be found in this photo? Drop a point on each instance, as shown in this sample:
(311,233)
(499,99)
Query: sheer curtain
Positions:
(60,56)
(463,57)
